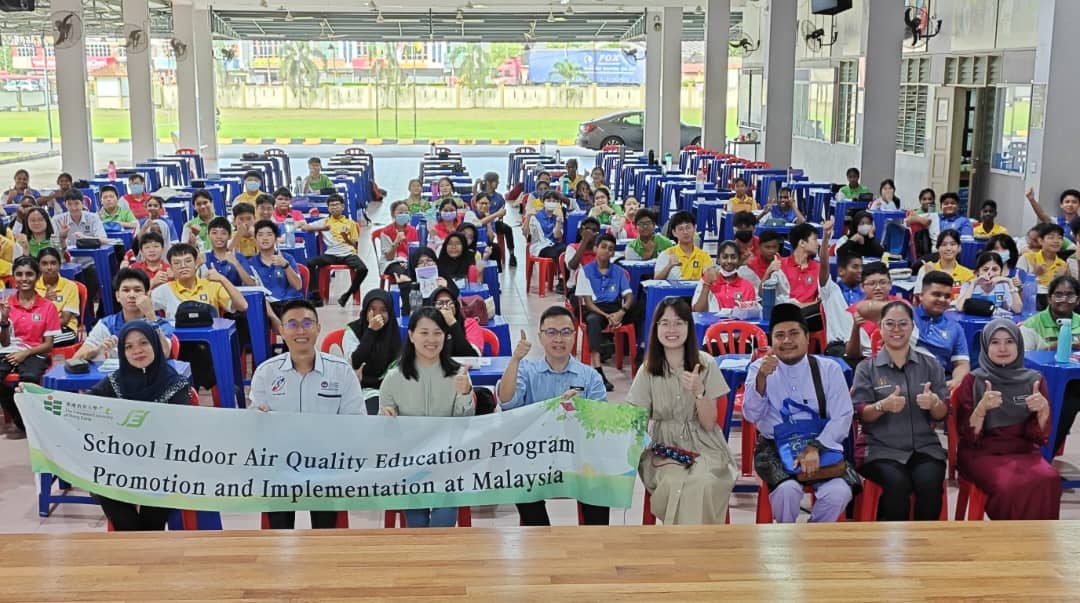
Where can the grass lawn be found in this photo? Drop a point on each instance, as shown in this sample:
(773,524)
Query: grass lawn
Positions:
(316,123)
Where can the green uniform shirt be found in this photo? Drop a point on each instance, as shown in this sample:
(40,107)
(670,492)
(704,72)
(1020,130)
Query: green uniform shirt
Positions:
(1046,329)
(662,244)
(853,193)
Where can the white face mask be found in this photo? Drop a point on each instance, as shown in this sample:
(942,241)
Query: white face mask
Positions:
(865,229)
(551,205)
(728,273)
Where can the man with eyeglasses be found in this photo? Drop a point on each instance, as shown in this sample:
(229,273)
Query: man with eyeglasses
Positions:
(305,380)
(866,314)
(938,334)
(649,243)
(1040,332)
(557,374)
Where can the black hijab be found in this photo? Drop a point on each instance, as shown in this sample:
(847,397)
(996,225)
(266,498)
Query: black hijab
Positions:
(455,268)
(415,256)
(471,248)
(158,382)
(387,345)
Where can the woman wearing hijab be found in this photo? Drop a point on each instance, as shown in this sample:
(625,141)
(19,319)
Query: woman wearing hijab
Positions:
(144,375)
(373,343)
(455,262)
(1003,418)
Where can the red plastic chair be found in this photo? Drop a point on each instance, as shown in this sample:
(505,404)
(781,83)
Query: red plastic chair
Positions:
(324,280)
(342,521)
(174,353)
(866,503)
(491,340)
(970,500)
(875,342)
(305,277)
(392,518)
(546,274)
(333,338)
(738,337)
(186,151)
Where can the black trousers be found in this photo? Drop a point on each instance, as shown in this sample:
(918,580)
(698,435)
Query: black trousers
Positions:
(535,514)
(286,520)
(353,261)
(502,228)
(30,371)
(1070,406)
(202,364)
(126,517)
(396,269)
(596,323)
(923,476)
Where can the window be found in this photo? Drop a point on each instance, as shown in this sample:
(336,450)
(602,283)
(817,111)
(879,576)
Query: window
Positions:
(634,119)
(750,82)
(1012,109)
(847,105)
(913,101)
(814,90)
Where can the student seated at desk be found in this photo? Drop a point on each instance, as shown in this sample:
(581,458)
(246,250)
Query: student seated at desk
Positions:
(75,224)
(1045,263)
(546,230)
(853,188)
(886,199)
(372,343)
(446,193)
(482,216)
(557,374)
(602,209)
(316,180)
(535,199)
(136,197)
(648,244)
(625,226)
(991,285)
(685,260)
(215,290)
(242,240)
(986,227)
(28,324)
(61,292)
(304,380)
(606,300)
(112,212)
(1040,332)
(54,202)
(421,257)
(948,244)
(13,222)
(341,236)
(455,262)
(450,218)
(785,209)
(759,267)
(1069,202)
(837,296)
(1005,247)
(864,316)
(427,382)
(472,235)
(721,287)
(860,240)
(252,187)
(742,201)
(938,334)
(571,177)
(283,210)
(156,216)
(197,229)
(229,263)
(144,375)
(597,177)
(264,210)
(37,233)
(950,217)
(394,239)
(583,251)
(416,202)
(743,226)
(799,277)
(148,257)
(132,290)
(583,196)
(20,188)
(275,271)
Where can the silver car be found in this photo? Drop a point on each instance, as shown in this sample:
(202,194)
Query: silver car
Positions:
(626,128)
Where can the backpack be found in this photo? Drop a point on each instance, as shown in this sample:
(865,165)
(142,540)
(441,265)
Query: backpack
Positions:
(474,306)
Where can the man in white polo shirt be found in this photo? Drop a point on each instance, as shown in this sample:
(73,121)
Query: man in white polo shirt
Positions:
(286,383)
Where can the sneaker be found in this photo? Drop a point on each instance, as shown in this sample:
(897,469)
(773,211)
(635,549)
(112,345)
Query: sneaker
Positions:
(317,302)
(513,261)
(609,386)
(344,299)
(558,288)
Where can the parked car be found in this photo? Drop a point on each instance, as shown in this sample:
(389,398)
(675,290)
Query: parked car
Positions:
(16,85)
(626,128)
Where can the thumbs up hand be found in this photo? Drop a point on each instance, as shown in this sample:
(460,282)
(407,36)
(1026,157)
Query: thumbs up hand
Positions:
(461,381)
(990,399)
(522,348)
(926,398)
(895,402)
(768,364)
(693,382)
(1037,402)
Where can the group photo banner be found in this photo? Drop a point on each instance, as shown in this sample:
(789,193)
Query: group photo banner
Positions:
(227,460)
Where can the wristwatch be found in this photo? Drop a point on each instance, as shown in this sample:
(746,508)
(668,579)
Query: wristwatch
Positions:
(877,407)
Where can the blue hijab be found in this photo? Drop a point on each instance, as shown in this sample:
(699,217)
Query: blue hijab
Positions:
(158,382)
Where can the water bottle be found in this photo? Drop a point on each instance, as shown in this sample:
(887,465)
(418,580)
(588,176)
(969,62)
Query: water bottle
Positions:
(768,296)
(1064,343)
(558,156)
(290,232)
(565,185)
(699,182)
(543,148)
(1029,288)
(415,301)
(667,162)
(298,187)
(432,151)
(421,232)
(112,170)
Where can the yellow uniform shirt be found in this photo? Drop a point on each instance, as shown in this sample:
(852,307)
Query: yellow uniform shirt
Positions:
(692,265)
(960,274)
(246,197)
(169,296)
(1034,259)
(65,297)
(747,203)
(981,233)
(244,246)
(334,241)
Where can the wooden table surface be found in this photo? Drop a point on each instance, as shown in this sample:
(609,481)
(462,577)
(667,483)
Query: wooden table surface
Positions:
(872,561)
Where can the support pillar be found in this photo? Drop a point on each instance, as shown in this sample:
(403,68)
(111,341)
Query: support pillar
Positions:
(653,62)
(671,82)
(714,101)
(884,53)
(140,83)
(186,84)
(76,148)
(207,86)
(779,82)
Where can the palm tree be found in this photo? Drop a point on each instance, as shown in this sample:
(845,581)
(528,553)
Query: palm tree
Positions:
(472,66)
(299,70)
(569,73)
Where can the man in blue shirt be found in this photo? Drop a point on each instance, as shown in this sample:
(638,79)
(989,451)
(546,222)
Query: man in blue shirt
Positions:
(557,374)
(951,217)
(938,334)
(276,272)
(490,185)
(606,300)
(231,265)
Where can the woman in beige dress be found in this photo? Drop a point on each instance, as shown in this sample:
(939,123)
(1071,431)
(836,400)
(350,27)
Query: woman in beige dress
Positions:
(679,386)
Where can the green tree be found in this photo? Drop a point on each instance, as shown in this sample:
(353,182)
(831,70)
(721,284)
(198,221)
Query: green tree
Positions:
(473,66)
(569,73)
(299,69)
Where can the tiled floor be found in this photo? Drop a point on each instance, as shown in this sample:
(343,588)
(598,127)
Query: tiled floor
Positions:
(18,492)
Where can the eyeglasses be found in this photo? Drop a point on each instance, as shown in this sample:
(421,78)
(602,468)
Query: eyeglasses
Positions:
(893,325)
(645,223)
(1064,297)
(307,324)
(444,303)
(553,333)
(876,284)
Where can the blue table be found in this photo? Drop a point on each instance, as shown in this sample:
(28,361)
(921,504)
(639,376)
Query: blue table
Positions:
(883,217)
(225,350)
(178,213)
(103,257)
(489,375)
(656,291)
(70,270)
(1057,376)
(969,251)
(298,251)
(638,270)
(258,325)
(58,378)
(573,219)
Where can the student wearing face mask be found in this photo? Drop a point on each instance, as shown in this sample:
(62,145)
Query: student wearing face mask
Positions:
(721,287)
(394,239)
(252,188)
(1005,247)
(861,242)
(450,219)
(137,196)
(744,223)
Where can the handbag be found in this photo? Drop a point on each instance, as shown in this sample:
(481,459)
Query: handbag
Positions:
(474,306)
(793,435)
(978,307)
